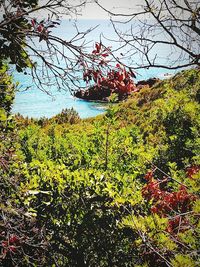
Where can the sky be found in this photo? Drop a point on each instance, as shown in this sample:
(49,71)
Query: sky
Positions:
(92,11)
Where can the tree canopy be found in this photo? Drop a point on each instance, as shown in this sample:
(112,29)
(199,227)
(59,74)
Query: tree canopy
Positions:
(29,44)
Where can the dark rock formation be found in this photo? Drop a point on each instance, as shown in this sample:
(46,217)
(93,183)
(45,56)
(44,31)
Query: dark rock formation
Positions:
(150,82)
(102,93)
(94,93)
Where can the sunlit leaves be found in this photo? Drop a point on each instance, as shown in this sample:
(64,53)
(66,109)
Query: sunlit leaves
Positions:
(108,191)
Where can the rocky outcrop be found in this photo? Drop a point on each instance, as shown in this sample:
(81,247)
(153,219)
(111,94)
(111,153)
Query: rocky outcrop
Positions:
(94,93)
(102,93)
(150,82)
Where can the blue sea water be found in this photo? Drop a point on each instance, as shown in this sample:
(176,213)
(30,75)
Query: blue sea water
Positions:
(36,103)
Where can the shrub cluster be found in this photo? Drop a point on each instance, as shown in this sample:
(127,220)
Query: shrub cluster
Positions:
(118,190)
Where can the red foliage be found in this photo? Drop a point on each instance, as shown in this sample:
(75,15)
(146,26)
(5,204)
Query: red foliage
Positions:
(4,243)
(40,28)
(98,48)
(118,79)
(152,191)
(13,248)
(10,244)
(167,203)
(174,224)
(149,175)
(101,50)
(192,170)
(164,201)
(14,239)
(33,22)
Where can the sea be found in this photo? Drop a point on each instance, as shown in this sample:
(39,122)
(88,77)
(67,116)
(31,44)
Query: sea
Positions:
(35,103)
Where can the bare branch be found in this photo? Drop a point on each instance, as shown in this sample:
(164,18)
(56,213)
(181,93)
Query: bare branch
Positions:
(161,25)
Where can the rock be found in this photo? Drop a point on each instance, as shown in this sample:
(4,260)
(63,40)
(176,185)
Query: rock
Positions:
(150,82)
(95,93)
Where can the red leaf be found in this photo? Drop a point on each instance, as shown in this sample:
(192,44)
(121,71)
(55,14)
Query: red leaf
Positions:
(33,21)
(12,248)
(98,47)
(154,209)
(148,176)
(192,171)
(40,28)
(13,239)
(4,243)
(95,76)
(121,77)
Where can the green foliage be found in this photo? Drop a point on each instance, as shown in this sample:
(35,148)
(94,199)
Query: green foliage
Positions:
(183,261)
(13,35)
(7,90)
(72,191)
(77,214)
(168,118)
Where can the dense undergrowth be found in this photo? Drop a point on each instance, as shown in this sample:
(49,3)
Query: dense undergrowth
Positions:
(120,189)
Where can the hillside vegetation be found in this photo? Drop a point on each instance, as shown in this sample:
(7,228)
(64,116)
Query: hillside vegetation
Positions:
(120,189)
